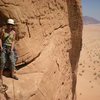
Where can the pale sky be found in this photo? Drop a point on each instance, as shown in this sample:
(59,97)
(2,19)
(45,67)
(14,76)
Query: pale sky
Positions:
(91,8)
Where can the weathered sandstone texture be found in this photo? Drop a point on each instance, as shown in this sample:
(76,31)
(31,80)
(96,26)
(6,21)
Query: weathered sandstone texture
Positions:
(49,44)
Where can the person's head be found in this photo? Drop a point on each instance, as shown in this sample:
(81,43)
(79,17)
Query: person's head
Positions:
(10,24)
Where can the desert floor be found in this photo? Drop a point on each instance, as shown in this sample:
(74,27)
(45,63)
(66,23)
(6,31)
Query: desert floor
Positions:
(88,85)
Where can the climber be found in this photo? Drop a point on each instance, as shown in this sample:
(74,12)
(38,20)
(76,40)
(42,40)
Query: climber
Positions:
(7,46)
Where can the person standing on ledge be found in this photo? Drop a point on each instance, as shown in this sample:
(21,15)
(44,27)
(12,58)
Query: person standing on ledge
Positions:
(7,46)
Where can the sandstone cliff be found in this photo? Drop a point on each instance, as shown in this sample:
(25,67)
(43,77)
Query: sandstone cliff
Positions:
(49,44)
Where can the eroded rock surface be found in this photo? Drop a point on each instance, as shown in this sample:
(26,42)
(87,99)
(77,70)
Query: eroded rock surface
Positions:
(49,44)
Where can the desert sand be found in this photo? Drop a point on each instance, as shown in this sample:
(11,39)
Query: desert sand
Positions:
(88,85)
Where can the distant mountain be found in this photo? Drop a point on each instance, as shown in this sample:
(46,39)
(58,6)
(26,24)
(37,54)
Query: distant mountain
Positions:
(90,20)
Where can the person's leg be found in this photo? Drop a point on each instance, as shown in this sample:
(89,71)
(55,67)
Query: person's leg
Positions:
(13,68)
(3,61)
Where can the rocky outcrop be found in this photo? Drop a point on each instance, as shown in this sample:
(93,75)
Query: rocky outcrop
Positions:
(49,44)
(75,24)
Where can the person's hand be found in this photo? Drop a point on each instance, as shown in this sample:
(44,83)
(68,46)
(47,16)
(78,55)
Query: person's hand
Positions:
(12,49)
(1,48)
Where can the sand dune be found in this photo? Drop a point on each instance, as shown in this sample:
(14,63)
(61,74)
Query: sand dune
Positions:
(88,85)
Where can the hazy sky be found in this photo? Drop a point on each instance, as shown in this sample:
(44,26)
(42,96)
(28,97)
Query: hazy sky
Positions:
(91,8)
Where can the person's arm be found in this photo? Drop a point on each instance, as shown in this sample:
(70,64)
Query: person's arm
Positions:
(1,44)
(12,46)
(1,33)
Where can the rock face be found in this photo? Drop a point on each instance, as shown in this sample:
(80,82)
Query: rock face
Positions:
(49,44)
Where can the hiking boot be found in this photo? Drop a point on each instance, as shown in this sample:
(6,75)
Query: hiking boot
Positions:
(14,77)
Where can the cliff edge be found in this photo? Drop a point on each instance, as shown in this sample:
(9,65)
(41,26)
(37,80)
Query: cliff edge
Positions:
(49,45)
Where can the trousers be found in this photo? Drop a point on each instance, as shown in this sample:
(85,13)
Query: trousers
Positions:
(7,58)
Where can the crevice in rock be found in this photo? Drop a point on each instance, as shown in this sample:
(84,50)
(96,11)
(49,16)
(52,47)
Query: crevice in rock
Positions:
(9,3)
(25,63)
(6,96)
(41,93)
(34,94)
(75,24)
(40,21)
(61,26)
(28,29)
(57,28)
(27,73)
(52,9)
(58,65)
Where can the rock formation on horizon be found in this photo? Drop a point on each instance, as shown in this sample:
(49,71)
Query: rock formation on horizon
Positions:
(49,44)
(90,20)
